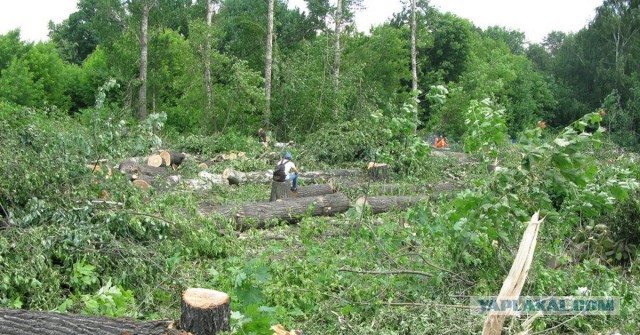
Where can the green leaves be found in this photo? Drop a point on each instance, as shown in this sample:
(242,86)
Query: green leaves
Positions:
(486,129)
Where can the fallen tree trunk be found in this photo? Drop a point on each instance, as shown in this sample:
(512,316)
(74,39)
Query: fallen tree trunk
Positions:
(133,168)
(282,190)
(257,215)
(265,177)
(387,203)
(24,322)
(238,177)
(377,189)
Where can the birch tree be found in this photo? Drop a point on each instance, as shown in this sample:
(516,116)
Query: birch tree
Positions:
(414,65)
(336,62)
(207,67)
(267,66)
(144,38)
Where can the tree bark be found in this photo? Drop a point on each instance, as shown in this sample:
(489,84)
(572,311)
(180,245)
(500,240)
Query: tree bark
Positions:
(378,171)
(267,66)
(205,312)
(282,191)
(265,177)
(132,168)
(258,215)
(172,158)
(336,61)
(414,64)
(384,204)
(207,68)
(23,322)
(142,93)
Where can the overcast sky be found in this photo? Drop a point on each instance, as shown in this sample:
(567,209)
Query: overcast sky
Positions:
(536,18)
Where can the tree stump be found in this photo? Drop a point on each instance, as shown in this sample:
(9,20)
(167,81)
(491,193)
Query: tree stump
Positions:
(377,171)
(205,312)
(280,190)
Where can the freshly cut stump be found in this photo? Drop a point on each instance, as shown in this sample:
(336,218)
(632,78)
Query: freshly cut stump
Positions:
(280,190)
(204,311)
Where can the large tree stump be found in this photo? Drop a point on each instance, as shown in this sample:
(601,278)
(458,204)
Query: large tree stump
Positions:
(205,312)
(387,203)
(280,190)
(378,171)
(257,215)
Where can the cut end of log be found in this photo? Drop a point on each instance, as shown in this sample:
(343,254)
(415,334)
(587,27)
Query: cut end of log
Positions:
(166,157)
(141,184)
(204,298)
(361,203)
(203,166)
(155,161)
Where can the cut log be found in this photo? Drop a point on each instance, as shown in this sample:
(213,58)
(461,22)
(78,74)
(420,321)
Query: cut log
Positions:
(237,177)
(378,171)
(257,215)
(132,168)
(213,178)
(24,322)
(378,189)
(171,158)
(282,191)
(312,191)
(205,312)
(265,177)
(155,161)
(387,203)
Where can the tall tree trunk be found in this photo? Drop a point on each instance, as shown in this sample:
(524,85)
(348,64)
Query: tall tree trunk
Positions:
(142,93)
(267,67)
(414,65)
(336,62)
(207,68)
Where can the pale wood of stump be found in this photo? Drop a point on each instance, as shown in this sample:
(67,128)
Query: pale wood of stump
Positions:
(155,161)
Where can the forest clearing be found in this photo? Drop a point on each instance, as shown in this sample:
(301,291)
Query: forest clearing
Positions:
(239,167)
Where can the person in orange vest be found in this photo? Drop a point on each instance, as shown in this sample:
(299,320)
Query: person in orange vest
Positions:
(442,142)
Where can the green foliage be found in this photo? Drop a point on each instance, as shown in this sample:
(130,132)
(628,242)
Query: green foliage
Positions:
(486,129)
(351,141)
(109,300)
(403,151)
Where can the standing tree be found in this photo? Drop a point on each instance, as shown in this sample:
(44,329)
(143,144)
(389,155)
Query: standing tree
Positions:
(207,67)
(336,62)
(414,65)
(144,27)
(267,66)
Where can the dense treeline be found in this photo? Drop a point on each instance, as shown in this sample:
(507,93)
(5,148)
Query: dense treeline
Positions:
(556,81)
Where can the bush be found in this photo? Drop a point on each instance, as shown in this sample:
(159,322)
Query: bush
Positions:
(351,141)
